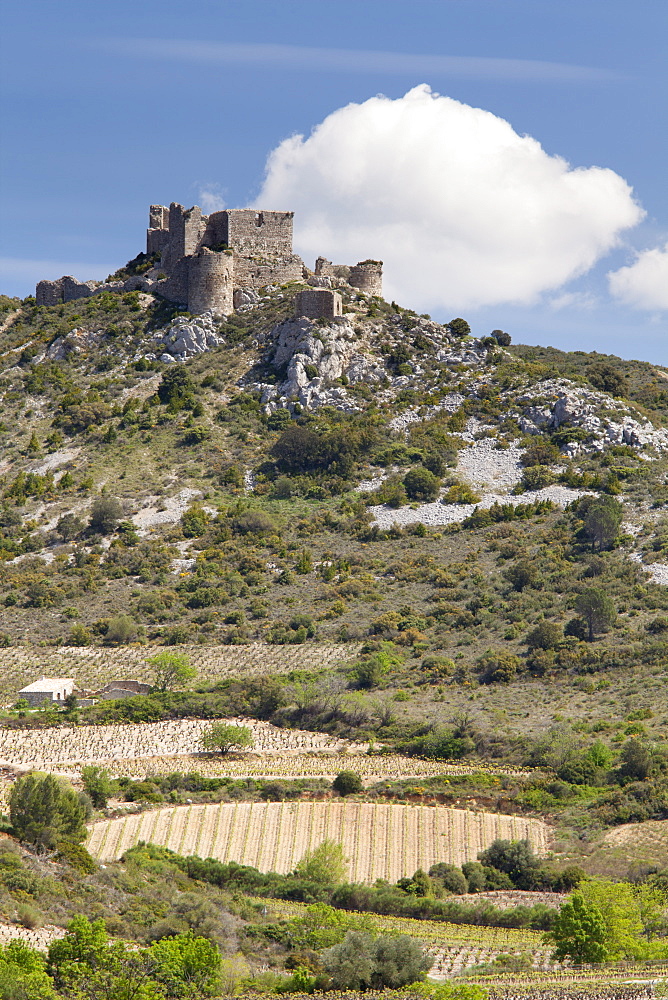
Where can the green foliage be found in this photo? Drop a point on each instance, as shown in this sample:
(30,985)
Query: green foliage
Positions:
(176,388)
(360,962)
(579,932)
(121,630)
(186,966)
(97,784)
(515,858)
(223,737)
(347,783)
(597,609)
(194,521)
(421,484)
(602,518)
(23,974)
(497,666)
(170,670)
(324,864)
(546,635)
(459,327)
(105,514)
(45,810)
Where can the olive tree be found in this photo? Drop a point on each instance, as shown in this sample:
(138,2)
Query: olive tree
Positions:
(222,737)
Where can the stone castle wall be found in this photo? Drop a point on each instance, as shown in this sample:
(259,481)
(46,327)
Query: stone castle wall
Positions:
(318,303)
(205,259)
(211,282)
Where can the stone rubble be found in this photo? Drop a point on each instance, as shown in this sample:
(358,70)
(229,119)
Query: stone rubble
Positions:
(439,513)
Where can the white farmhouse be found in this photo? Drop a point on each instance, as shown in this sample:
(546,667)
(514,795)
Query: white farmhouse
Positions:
(48,690)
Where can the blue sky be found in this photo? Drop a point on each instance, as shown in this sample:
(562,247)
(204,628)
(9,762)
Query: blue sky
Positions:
(108,108)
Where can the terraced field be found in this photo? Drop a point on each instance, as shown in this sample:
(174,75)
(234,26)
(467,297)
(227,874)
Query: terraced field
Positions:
(66,747)
(93,666)
(455,947)
(380,841)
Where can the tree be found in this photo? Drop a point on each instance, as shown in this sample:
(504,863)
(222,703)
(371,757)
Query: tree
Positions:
(635,761)
(602,519)
(176,388)
(459,327)
(97,784)
(224,737)
(298,449)
(421,484)
(522,574)
(360,961)
(619,906)
(105,514)
(502,338)
(325,864)
(450,877)
(579,932)
(23,974)
(44,809)
(170,670)
(69,526)
(186,966)
(347,783)
(516,858)
(607,378)
(597,609)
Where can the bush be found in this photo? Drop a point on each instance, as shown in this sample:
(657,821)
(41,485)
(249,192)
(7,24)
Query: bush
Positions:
(176,388)
(360,961)
(121,630)
(535,477)
(45,810)
(254,522)
(459,327)
(546,635)
(105,514)
(347,783)
(497,666)
(76,856)
(421,484)
(450,877)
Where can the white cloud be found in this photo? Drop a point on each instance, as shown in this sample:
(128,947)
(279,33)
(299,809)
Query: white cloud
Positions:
(463,210)
(307,58)
(643,284)
(209,198)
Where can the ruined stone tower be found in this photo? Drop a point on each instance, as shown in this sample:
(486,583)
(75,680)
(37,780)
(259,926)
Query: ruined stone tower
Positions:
(201,261)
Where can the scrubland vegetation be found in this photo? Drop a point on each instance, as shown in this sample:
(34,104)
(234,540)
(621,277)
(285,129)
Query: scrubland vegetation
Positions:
(506,670)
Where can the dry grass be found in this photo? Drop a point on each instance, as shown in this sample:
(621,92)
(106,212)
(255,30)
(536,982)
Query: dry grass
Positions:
(380,841)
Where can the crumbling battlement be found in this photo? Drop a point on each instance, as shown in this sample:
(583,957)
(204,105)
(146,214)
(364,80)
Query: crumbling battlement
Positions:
(206,259)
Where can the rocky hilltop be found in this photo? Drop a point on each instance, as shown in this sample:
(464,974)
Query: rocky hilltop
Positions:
(192,476)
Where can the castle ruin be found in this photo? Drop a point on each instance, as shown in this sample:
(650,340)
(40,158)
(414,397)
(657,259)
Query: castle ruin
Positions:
(212,262)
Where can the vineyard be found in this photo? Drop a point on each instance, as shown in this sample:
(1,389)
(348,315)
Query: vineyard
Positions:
(64,746)
(92,666)
(283,765)
(455,947)
(380,841)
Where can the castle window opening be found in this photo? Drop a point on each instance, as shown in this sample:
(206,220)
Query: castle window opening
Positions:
(259,219)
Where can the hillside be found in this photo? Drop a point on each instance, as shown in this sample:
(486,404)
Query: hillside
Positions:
(382,544)
(295,481)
